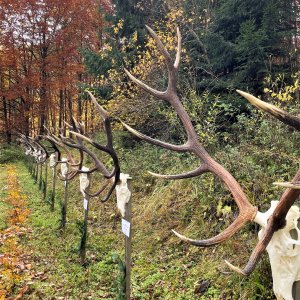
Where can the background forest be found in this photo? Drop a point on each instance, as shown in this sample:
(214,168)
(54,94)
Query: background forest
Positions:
(52,51)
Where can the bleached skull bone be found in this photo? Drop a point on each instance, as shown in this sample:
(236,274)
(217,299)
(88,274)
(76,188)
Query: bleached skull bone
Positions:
(283,251)
(53,160)
(35,153)
(84,181)
(42,157)
(28,152)
(64,167)
(123,193)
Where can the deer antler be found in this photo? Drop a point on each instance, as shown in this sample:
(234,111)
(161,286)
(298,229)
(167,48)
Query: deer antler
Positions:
(277,219)
(38,146)
(193,145)
(78,132)
(75,166)
(247,211)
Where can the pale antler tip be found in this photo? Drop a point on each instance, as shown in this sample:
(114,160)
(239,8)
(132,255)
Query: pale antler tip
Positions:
(291,185)
(154,174)
(234,268)
(182,237)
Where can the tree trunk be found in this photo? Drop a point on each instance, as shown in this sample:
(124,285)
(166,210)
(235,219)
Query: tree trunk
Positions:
(6,121)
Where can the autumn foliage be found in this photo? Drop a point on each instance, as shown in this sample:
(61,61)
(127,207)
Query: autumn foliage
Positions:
(41,62)
(13,261)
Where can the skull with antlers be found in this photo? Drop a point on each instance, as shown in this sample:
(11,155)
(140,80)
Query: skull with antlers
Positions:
(247,212)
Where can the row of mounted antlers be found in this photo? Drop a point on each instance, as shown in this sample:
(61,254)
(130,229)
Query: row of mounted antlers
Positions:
(247,211)
(40,152)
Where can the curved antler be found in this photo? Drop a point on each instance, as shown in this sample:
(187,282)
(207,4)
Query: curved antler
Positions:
(78,132)
(74,166)
(247,211)
(278,219)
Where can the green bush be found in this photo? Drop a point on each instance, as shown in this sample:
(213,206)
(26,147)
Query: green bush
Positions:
(9,154)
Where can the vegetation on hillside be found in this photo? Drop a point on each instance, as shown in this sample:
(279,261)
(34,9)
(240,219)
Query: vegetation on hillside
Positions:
(56,52)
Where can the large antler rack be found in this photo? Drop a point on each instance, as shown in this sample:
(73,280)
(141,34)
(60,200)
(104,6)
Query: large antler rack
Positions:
(278,219)
(52,149)
(40,153)
(78,132)
(247,211)
(29,149)
(75,166)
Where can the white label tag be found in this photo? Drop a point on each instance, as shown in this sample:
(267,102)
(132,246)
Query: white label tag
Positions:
(126,227)
(85,203)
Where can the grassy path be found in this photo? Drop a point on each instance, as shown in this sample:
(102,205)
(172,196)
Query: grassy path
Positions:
(15,261)
(54,271)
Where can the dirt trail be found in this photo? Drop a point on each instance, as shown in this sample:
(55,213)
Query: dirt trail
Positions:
(15,263)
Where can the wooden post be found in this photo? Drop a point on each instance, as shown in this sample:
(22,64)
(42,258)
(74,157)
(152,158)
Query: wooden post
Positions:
(85,230)
(64,207)
(64,172)
(36,175)
(127,217)
(84,185)
(41,177)
(52,200)
(46,180)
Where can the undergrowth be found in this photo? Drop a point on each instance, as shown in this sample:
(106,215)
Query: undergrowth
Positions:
(258,151)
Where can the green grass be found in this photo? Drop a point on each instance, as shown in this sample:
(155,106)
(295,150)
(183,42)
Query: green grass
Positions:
(163,267)
(55,253)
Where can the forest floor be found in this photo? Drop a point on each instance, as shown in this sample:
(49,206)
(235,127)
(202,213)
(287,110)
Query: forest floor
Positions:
(37,260)
(40,261)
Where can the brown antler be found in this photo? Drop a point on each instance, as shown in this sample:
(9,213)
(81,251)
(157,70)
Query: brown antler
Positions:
(277,219)
(78,132)
(246,211)
(75,166)
(38,146)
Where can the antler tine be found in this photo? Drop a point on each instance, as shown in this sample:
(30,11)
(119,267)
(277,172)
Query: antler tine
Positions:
(147,88)
(106,121)
(98,164)
(160,45)
(179,48)
(237,224)
(272,110)
(200,170)
(180,148)
(247,211)
(54,147)
(102,112)
(83,137)
(96,194)
(71,162)
(172,69)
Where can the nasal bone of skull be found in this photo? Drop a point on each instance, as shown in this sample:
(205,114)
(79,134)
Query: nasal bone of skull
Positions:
(84,181)
(123,193)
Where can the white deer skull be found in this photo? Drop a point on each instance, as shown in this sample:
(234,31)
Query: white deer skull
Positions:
(64,167)
(52,160)
(284,252)
(123,193)
(84,181)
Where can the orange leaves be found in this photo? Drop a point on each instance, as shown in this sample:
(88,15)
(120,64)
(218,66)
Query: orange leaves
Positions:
(12,264)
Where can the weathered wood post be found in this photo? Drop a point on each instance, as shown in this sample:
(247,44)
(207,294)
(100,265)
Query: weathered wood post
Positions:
(64,171)
(124,201)
(45,181)
(36,174)
(41,176)
(53,164)
(84,186)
